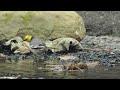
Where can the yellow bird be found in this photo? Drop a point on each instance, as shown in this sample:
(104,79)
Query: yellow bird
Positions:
(28,38)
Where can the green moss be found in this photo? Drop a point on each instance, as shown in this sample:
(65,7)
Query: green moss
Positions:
(46,25)
(25,31)
(27,17)
(8,17)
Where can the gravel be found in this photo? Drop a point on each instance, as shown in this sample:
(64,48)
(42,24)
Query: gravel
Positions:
(102,42)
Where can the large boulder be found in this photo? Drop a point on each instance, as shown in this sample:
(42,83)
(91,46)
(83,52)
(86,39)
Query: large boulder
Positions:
(46,25)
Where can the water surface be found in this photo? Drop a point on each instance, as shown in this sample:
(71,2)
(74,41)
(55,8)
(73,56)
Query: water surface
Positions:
(30,69)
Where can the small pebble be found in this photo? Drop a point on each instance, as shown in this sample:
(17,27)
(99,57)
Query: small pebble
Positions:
(40,68)
(41,78)
(106,69)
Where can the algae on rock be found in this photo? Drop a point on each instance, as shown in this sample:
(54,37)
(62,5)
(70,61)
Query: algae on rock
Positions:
(46,25)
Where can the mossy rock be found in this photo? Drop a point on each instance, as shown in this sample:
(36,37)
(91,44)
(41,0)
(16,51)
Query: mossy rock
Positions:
(46,25)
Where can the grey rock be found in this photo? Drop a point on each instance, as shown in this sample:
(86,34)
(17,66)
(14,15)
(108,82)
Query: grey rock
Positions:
(101,22)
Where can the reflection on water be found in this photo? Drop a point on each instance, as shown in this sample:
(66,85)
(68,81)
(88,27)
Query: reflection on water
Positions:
(28,68)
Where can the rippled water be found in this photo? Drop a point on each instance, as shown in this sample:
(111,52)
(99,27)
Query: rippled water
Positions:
(30,69)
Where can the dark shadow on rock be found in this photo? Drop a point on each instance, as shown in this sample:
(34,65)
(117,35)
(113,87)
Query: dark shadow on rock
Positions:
(5,49)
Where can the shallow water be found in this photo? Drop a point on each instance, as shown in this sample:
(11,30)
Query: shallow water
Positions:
(30,69)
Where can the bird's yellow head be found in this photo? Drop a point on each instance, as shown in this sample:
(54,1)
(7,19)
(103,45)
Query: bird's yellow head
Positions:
(28,38)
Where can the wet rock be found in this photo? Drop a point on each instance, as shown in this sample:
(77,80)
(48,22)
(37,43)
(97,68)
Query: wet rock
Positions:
(2,56)
(7,77)
(19,76)
(112,65)
(64,44)
(11,76)
(18,45)
(57,68)
(77,66)
(25,78)
(40,68)
(41,78)
(106,69)
(92,64)
(67,57)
